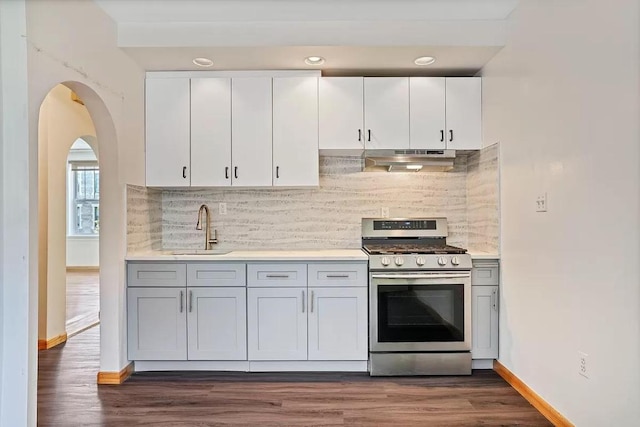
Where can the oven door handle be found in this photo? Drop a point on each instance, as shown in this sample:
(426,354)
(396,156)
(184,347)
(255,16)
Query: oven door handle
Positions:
(422,276)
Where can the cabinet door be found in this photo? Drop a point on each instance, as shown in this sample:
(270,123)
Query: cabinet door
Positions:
(484,325)
(167,124)
(211,132)
(217,319)
(464,113)
(251,129)
(338,324)
(157,324)
(295,131)
(427,106)
(386,112)
(341,113)
(277,323)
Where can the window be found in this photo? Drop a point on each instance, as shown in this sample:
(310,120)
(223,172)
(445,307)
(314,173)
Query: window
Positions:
(85,177)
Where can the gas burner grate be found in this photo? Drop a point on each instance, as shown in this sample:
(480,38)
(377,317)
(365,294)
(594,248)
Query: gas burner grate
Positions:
(413,249)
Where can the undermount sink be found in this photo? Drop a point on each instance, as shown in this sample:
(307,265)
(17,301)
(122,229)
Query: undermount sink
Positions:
(199,252)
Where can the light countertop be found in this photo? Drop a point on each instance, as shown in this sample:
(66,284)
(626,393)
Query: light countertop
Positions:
(271,255)
(483,255)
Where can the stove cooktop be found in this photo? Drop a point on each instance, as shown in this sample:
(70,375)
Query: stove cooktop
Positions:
(413,249)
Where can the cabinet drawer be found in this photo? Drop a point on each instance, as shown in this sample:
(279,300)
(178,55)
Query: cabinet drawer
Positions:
(216,274)
(280,275)
(338,274)
(156,274)
(485,274)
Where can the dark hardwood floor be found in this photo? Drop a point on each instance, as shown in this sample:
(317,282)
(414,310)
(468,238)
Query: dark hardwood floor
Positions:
(83,300)
(68,396)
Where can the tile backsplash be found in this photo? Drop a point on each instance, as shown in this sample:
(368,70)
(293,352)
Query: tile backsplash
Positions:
(325,217)
(483,206)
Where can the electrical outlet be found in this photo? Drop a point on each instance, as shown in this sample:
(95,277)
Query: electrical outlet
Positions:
(541,203)
(583,365)
(222,208)
(384,212)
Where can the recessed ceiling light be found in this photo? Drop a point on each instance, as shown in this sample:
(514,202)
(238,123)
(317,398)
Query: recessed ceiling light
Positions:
(314,60)
(203,62)
(424,60)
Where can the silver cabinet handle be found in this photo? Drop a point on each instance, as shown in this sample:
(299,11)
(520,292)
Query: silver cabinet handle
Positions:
(312,296)
(277,276)
(337,276)
(303,301)
(181,301)
(190,301)
(494,299)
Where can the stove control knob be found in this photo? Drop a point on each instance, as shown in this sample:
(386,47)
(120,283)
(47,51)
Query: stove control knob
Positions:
(442,261)
(399,261)
(455,260)
(420,261)
(385,261)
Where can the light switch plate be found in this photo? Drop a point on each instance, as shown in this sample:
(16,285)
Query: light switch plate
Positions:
(222,208)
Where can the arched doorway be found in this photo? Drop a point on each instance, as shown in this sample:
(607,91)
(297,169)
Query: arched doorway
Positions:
(66,176)
(112,243)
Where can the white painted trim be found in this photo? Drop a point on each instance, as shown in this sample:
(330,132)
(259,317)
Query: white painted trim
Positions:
(255,366)
(309,366)
(190,365)
(482,364)
(232,73)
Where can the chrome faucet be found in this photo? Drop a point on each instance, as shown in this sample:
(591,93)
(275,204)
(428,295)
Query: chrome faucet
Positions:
(208,241)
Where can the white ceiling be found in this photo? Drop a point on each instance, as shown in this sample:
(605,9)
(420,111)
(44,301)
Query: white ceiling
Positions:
(375,37)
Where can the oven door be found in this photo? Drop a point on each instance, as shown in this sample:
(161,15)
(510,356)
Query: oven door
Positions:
(420,311)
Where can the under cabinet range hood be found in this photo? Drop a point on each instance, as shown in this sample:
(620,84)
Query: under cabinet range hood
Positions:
(408,160)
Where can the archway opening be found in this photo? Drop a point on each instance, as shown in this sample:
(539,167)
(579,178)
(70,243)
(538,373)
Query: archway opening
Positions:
(68,210)
(83,236)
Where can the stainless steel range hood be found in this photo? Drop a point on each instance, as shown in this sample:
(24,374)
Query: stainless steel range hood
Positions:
(408,160)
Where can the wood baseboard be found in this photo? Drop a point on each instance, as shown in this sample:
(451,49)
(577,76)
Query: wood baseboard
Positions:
(115,378)
(555,417)
(83,269)
(50,343)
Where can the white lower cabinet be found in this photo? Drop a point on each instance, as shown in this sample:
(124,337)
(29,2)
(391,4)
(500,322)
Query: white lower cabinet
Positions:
(277,323)
(338,324)
(187,323)
(485,322)
(307,324)
(253,317)
(217,324)
(157,324)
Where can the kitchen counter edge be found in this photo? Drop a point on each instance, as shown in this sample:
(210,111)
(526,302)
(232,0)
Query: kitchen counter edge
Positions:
(301,255)
(483,255)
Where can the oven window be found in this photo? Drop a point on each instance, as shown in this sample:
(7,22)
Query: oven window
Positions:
(421,313)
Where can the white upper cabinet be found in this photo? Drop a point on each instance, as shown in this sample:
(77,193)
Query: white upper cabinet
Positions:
(251,130)
(464,113)
(341,112)
(295,131)
(427,110)
(386,112)
(210,132)
(167,128)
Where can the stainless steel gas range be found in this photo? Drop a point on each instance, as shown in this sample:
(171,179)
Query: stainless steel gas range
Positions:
(419,298)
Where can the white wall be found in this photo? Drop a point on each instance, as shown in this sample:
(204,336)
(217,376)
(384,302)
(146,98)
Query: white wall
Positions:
(83,54)
(562,99)
(18,287)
